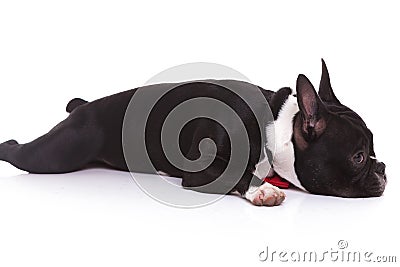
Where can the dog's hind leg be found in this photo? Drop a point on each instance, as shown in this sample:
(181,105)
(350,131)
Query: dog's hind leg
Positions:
(69,146)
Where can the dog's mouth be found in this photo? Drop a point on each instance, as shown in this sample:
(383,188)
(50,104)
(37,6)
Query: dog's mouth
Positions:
(373,186)
(376,183)
(377,186)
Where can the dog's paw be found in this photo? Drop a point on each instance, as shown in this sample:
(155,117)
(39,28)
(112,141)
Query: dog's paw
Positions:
(265,195)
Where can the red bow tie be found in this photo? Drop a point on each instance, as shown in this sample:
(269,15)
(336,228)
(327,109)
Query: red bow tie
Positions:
(277,181)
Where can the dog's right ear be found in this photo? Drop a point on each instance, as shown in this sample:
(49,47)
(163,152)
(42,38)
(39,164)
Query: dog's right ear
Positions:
(312,109)
(325,89)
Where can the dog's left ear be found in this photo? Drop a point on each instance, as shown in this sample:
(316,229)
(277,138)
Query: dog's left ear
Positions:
(312,109)
(325,89)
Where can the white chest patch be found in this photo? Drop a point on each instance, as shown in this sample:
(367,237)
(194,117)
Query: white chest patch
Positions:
(281,132)
(263,168)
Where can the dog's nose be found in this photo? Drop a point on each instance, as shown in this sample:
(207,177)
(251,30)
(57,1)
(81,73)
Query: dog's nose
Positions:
(380,168)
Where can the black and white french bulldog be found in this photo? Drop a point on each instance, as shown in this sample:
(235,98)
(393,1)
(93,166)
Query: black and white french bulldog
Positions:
(319,145)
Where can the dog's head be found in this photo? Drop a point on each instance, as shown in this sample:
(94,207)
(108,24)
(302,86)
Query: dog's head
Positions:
(333,147)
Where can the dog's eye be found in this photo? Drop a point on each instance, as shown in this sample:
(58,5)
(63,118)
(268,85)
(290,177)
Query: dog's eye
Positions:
(359,158)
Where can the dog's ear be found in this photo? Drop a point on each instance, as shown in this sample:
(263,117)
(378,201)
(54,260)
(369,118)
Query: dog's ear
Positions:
(325,89)
(312,109)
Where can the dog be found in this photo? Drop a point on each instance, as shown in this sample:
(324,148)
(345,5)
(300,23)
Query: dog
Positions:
(312,140)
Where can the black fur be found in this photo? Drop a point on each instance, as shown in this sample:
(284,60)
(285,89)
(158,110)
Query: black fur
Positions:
(93,130)
(328,138)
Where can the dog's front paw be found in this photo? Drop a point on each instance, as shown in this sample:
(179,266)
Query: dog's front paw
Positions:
(265,195)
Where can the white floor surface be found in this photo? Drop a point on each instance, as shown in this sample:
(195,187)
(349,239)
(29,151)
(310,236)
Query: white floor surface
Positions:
(100,217)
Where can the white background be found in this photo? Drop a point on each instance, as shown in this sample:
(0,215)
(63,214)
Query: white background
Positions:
(51,52)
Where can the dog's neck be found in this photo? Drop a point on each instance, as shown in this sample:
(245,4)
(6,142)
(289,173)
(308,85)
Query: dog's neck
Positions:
(279,142)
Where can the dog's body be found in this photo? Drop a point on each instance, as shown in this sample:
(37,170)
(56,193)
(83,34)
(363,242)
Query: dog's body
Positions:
(319,145)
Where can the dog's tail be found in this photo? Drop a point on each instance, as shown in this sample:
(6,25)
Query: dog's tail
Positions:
(74,103)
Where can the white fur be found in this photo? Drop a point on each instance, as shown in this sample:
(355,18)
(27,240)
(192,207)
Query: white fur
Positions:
(251,193)
(265,191)
(283,157)
(263,168)
(162,173)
